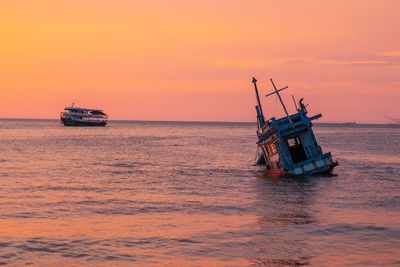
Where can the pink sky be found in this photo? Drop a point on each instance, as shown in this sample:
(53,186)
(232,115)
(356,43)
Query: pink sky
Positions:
(194,60)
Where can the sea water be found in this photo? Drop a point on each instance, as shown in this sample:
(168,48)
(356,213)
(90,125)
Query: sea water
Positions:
(187,194)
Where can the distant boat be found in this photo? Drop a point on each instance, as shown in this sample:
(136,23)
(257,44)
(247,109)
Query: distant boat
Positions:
(288,145)
(75,116)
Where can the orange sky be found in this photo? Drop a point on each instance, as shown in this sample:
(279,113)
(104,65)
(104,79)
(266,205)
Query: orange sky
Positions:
(194,60)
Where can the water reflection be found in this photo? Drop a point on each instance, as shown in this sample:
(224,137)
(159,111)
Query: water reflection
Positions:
(285,201)
(284,210)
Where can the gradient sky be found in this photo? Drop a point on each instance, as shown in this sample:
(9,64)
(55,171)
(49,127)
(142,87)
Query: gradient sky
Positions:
(194,60)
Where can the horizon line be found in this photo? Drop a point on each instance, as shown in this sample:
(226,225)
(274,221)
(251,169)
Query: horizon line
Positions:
(200,121)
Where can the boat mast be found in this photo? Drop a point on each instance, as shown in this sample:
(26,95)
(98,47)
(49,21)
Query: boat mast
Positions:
(260,114)
(280,99)
(294,101)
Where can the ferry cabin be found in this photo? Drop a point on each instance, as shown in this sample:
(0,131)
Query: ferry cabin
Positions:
(84,114)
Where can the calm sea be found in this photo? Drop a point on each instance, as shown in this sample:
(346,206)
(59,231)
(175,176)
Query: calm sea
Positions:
(187,194)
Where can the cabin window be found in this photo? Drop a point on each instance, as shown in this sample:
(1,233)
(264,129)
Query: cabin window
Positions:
(296,149)
(293,141)
(272,148)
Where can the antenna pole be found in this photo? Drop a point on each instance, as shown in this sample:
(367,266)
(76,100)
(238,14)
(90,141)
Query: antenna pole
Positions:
(258,97)
(280,99)
(294,101)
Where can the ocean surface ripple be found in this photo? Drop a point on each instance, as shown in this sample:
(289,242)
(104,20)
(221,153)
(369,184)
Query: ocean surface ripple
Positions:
(187,194)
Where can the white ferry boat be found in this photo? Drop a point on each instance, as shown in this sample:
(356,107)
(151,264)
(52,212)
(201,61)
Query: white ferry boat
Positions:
(75,116)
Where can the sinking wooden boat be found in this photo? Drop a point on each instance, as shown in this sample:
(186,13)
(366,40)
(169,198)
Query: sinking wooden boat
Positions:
(287,145)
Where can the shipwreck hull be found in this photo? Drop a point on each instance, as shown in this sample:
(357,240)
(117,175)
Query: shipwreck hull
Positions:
(321,165)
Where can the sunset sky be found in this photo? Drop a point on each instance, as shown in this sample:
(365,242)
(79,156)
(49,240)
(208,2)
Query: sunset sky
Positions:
(194,60)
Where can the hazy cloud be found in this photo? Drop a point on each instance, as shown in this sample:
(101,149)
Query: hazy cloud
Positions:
(257,63)
(390,54)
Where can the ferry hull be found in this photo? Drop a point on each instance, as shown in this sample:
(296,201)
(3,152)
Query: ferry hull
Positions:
(67,122)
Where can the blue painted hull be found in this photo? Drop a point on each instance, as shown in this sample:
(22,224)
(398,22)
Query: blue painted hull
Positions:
(319,165)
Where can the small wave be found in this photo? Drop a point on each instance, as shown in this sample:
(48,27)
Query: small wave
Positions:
(130,165)
(281,262)
(76,188)
(5,244)
(368,231)
(75,255)
(186,241)
(135,210)
(121,172)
